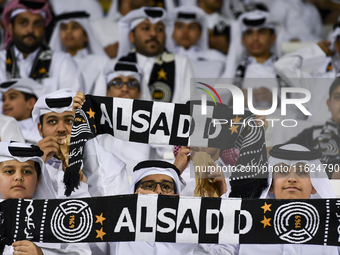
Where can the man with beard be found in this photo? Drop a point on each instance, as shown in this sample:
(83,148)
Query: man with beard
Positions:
(166,75)
(26,55)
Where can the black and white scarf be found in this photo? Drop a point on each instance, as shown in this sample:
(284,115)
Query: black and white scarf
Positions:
(41,64)
(167,124)
(158,218)
(162,77)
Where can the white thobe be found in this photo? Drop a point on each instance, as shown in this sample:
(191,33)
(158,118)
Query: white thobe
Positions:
(56,173)
(130,153)
(63,72)
(107,29)
(299,20)
(92,68)
(105,172)
(206,64)
(10,129)
(57,249)
(30,131)
(291,68)
(183,72)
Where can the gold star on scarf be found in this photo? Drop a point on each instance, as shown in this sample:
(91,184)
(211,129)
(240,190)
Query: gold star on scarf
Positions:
(8,61)
(91,113)
(42,70)
(237,119)
(266,207)
(266,221)
(233,129)
(100,233)
(100,219)
(162,74)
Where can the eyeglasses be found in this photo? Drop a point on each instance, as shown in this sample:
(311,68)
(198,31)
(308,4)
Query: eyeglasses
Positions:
(166,186)
(118,83)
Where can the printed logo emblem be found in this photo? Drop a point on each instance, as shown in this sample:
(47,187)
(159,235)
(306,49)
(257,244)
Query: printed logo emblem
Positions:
(296,222)
(72,221)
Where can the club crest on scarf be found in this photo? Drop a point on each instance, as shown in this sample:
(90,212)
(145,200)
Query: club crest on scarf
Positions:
(155,218)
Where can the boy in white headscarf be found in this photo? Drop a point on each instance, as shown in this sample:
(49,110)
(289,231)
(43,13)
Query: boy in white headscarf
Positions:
(191,39)
(74,34)
(145,39)
(293,180)
(162,178)
(253,52)
(18,98)
(53,114)
(23,175)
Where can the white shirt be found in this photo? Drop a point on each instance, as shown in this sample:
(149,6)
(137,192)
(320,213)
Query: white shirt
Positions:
(183,72)
(63,71)
(130,153)
(92,68)
(291,68)
(206,64)
(10,129)
(30,131)
(105,172)
(107,29)
(299,19)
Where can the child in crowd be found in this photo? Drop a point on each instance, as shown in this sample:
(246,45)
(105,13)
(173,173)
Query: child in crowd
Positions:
(293,180)
(18,98)
(191,40)
(22,175)
(74,34)
(162,178)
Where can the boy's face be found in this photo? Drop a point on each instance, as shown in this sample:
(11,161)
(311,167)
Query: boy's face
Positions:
(28,31)
(148,38)
(292,182)
(18,179)
(72,36)
(125,90)
(166,181)
(56,124)
(15,105)
(186,35)
(333,104)
(258,41)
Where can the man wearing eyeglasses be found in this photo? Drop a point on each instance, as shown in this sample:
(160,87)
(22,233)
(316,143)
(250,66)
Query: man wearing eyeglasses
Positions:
(123,80)
(162,178)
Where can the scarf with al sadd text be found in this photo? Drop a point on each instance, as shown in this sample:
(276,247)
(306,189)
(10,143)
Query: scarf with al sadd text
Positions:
(168,124)
(159,218)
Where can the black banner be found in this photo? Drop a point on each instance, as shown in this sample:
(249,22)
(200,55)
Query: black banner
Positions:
(167,124)
(172,219)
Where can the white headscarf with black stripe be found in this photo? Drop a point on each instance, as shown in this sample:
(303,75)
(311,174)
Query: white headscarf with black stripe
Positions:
(319,178)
